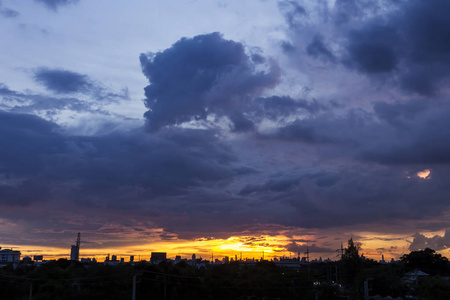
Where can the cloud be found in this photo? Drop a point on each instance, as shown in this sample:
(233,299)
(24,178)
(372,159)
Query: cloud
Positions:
(71,110)
(317,49)
(55,4)
(114,165)
(403,43)
(297,248)
(8,13)
(27,139)
(63,81)
(413,132)
(293,12)
(437,242)
(202,76)
(277,107)
(370,50)
(419,136)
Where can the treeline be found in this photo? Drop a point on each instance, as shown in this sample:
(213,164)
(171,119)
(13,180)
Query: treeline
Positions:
(64,279)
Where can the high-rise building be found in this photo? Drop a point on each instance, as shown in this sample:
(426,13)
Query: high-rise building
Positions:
(75,250)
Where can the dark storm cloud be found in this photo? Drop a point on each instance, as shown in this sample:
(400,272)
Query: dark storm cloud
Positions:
(63,81)
(285,183)
(327,127)
(414,43)
(55,4)
(371,50)
(117,166)
(202,76)
(414,132)
(419,134)
(24,193)
(404,42)
(26,141)
(436,242)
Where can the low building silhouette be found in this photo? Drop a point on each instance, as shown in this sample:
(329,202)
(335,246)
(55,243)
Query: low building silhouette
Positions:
(9,255)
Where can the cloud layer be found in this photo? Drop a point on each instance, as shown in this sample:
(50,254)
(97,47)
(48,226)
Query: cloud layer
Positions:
(329,130)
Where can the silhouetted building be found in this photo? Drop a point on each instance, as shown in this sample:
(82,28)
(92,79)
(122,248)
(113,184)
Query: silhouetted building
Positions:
(114,258)
(38,257)
(158,257)
(131,258)
(9,255)
(75,250)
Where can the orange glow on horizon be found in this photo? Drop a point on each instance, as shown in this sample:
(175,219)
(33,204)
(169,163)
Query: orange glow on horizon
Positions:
(373,246)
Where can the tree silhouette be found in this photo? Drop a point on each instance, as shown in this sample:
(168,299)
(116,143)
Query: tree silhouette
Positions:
(351,261)
(427,261)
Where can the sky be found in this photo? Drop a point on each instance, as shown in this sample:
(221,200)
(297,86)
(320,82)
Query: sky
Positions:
(221,126)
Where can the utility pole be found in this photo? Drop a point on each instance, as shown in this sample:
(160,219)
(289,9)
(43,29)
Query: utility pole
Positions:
(336,273)
(134,288)
(366,289)
(165,287)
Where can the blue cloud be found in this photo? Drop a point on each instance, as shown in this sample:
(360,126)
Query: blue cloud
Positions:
(55,4)
(200,76)
(63,81)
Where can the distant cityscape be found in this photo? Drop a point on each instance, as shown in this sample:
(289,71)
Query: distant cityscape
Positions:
(422,274)
(14,256)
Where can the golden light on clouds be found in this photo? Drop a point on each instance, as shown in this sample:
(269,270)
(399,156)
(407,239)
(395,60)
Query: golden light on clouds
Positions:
(245,246)
(425,174)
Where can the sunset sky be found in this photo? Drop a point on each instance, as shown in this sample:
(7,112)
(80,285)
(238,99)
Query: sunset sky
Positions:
(225,126)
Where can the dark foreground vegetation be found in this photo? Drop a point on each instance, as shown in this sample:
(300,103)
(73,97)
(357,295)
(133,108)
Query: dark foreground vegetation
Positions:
(65,279)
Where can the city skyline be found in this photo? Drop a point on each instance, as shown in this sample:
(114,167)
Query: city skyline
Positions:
(221,126)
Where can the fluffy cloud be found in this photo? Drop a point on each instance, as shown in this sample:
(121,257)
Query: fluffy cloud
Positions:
(201,76)
(436,242)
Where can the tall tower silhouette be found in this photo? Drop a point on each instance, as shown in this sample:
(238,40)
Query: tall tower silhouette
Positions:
(75,250)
